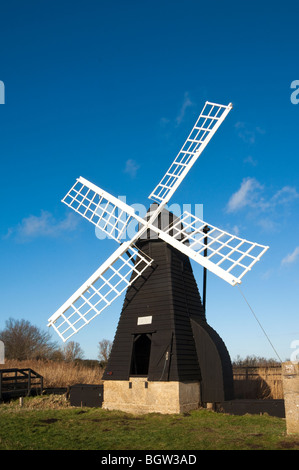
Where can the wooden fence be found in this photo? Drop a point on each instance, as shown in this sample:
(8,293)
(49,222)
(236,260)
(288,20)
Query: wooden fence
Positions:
(258,382)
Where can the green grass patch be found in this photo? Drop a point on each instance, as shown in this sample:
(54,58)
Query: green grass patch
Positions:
(43,424)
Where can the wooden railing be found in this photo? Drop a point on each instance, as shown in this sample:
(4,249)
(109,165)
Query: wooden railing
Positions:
(19,382)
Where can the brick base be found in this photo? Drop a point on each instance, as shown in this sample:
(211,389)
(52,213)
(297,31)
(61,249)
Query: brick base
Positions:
(140,396)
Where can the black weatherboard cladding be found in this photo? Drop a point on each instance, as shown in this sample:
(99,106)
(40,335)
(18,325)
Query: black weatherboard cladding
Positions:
(183,346)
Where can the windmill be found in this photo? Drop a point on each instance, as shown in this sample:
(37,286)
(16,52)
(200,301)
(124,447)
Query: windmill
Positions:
(165,357)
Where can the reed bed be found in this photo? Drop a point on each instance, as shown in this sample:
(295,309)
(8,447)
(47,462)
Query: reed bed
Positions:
(249,382)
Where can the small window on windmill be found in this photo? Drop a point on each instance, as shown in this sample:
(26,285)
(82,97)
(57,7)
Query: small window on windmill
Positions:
(141,354)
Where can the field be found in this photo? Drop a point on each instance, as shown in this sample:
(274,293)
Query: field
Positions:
(50,423)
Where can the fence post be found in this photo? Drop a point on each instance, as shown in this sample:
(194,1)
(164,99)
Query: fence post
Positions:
(29,382)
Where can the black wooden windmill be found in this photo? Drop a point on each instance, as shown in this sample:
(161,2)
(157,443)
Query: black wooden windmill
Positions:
(165,357)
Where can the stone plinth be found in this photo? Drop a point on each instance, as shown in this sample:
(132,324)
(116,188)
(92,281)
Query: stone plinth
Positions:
(140,396)
(290,381)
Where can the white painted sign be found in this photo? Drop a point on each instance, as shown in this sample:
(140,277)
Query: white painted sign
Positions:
(144,320)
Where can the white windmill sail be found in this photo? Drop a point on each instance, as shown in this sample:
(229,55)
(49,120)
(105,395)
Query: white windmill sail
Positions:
(108,282)
(102,209)
(209,120)
(226,255)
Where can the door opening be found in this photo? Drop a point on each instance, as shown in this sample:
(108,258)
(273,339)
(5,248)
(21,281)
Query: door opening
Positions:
(141,354)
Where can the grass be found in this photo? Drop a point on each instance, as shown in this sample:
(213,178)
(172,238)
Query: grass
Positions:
(49,423)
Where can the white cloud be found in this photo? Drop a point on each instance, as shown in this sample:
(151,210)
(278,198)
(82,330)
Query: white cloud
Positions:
(246,195)
(250,160)
(131,168)
(44,225)
(267,224)
(251,194)
(284,195)
(235,230)
(248,133)
(291,258)
(186,104)
(164,121)
(174,122)
(267,274)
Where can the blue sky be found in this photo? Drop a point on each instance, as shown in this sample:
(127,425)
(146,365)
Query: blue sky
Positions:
(109,91)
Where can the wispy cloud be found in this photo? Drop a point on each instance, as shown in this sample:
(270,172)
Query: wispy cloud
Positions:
(252,194)
(44,225)
(164,121)
(267,274)
(247,132)
(284,195)
(187,103)
(291,258)
(179,118)
(267,211)
(246,195)
(267,224)
(131,168)
(250,160)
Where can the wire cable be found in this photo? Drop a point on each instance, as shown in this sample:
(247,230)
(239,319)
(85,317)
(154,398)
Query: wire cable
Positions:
(259,323)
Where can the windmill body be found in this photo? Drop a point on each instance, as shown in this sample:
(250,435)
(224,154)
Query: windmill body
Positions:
(164,353)
(165,357)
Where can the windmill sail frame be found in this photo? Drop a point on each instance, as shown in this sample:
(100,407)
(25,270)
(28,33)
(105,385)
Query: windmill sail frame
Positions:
(106,284)
(209,120)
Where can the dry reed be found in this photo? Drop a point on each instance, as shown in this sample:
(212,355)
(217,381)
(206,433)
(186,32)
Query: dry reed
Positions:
(59,374)
(249,382)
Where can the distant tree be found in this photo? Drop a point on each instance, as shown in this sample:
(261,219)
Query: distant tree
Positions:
(57,356)
(104,350)
(72,351)
(25,341)
(254,361)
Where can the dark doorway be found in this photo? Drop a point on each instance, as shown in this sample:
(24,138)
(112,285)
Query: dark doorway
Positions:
(141,354)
